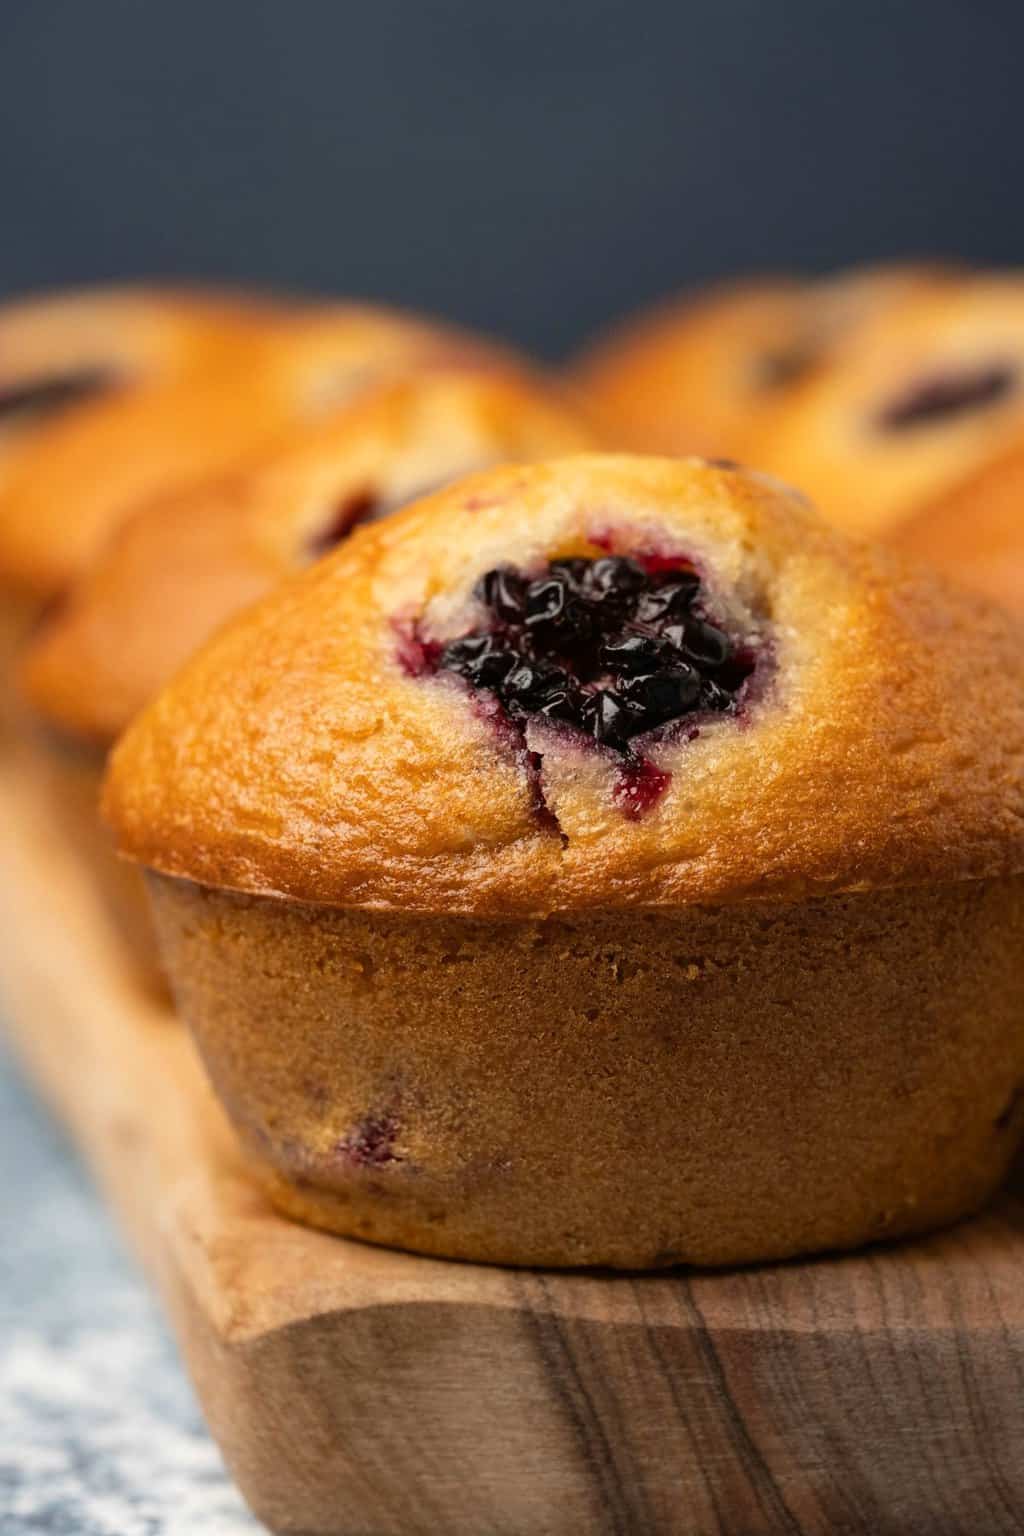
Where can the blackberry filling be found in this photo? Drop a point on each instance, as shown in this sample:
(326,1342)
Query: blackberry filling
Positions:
(45,397)
(945,395)
(610,647)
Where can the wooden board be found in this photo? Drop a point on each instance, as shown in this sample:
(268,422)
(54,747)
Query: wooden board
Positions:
(359,1392)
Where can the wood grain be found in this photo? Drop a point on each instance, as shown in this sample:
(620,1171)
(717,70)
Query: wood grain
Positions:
(358,1392)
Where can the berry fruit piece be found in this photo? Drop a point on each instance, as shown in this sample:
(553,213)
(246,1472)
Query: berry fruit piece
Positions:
(47,396)
(705,645)
(941,396)
(611,718)
(530,685)
(371,1143)
(556,613)
(480,661)
(612,647)
(629,654)
(615,577)
(671,601)
(665,695)
(503,590)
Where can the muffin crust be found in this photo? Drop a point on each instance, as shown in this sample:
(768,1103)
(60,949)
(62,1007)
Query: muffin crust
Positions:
(298,757)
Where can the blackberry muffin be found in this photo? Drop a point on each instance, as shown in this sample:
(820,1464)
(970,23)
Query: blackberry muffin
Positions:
(60,352)
(600,863)
(177,570)
(695,374)
(65,489)
(975,533)
(927,397)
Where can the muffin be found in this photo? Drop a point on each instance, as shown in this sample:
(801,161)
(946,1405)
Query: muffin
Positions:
(67,488)
(600,863)
(694,375)
(57,350)
(61,352)
(178,569)
(927,396)
(975,533)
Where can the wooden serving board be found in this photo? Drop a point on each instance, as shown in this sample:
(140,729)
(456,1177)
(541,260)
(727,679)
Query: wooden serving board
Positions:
(360,1392)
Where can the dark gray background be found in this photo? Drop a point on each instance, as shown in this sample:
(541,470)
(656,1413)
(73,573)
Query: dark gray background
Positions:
(531,166)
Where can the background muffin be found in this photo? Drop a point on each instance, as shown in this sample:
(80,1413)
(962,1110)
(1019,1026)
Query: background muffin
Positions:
(67,488)
(57,350)
(926,396)
(975,533)
(619,793)
(180,568)
(695,375)
(60,354)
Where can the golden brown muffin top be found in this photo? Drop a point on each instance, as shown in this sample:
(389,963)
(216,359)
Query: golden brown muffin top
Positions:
(694,375)
(923,398)
(67,485)
(176,571)
(322,748)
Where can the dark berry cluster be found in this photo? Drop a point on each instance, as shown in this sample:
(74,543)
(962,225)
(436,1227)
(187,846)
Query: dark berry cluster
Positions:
(941,396)
(607,646)
(371,1143)
(47,396)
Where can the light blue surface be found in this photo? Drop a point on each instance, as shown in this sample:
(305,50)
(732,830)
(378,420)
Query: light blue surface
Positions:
(100,1434)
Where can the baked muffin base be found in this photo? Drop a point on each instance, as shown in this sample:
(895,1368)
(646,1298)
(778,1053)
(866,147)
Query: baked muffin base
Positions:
(71,774)
(636,1089)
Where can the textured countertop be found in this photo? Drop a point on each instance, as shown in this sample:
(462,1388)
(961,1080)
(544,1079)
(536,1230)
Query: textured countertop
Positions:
(100,1434)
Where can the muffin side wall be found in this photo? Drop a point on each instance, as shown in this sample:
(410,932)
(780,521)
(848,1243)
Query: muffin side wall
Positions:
(631,1089)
